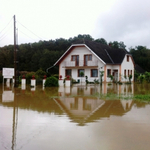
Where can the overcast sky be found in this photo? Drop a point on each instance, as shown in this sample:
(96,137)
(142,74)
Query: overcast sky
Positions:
(113,20)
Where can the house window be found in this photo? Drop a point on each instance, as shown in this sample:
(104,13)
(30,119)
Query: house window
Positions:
(68,72)
(108,72)
(124,72)
(94,73)
(90,57)
(86,59)
(128,73)
(76,59)
(127,58)
(73,57)
(79,72)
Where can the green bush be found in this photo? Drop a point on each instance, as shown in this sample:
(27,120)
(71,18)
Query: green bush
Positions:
(56,75)
(40,73)
(51,82)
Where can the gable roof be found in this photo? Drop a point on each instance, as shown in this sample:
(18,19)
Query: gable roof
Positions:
(106,53)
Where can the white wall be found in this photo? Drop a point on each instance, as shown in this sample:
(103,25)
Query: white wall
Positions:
(81,51)
(128,66)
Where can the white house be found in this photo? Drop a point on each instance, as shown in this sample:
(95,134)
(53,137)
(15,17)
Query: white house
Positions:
(91,58)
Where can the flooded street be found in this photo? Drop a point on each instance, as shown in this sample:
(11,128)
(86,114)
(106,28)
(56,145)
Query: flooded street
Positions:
(75,118)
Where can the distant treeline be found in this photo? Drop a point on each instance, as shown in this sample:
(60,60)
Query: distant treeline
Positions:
(43,54)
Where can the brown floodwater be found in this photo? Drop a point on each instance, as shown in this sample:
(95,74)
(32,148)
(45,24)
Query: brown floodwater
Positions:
(75,118)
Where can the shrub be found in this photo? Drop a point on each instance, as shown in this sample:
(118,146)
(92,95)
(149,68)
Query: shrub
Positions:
(40,73)
(56,76)
(51,82)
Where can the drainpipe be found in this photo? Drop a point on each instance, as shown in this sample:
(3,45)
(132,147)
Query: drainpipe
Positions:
(49,68)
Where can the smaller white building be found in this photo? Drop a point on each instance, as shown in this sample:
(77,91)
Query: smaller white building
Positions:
(92,58)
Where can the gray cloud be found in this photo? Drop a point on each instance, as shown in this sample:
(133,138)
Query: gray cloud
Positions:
(127,21)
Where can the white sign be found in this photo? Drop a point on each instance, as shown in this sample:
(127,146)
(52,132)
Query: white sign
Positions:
(8,72)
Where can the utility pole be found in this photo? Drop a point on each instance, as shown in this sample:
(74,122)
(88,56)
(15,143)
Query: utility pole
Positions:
(15,53)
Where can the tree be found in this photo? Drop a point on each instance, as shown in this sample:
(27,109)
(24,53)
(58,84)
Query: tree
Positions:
(117,44)
(101,40)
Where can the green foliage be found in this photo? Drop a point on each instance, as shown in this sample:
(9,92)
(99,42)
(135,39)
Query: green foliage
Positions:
(102,41)
(147,76)
(43,54)
(141,56)
(56,76)
(136,74)
(96,81)
(141,78)
(101,76)
(111,77)
(145,97)
(40,73)
(117,44)
(51,82)
(130,77)
(86,79)
(81,74)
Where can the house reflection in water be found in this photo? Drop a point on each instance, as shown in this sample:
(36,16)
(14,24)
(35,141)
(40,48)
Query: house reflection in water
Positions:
(83,105)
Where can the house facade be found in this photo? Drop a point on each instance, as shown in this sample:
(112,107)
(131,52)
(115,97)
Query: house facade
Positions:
(92,58)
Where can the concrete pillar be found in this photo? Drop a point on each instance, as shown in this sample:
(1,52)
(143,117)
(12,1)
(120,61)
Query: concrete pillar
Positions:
(44,79)
(61,82)
(23,81)
(33,81)
(67,83)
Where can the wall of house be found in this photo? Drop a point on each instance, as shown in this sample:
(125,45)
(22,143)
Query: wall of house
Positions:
(127,65)
(81,51)
(112,68)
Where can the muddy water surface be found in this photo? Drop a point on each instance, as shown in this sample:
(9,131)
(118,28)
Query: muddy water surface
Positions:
(75,118)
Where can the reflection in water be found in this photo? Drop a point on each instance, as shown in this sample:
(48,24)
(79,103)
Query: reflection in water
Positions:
(46,116)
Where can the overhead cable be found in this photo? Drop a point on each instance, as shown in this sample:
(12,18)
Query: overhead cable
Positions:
(30,30)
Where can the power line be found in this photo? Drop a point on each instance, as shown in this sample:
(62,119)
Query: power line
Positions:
(30,30)
(6,26)
(1,37)
(26,35)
